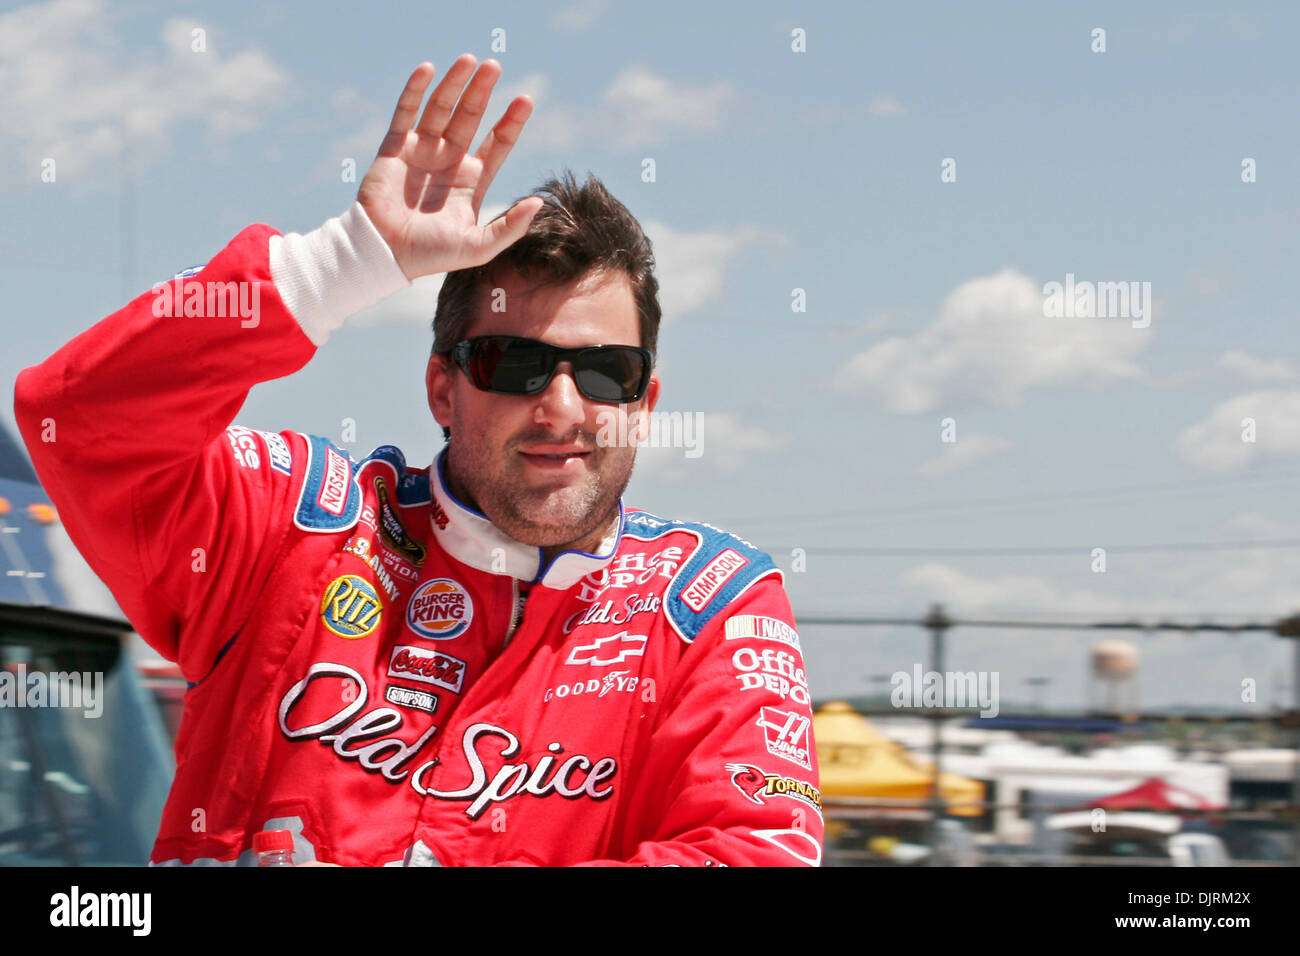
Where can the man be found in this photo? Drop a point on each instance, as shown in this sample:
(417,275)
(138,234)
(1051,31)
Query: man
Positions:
(486,661)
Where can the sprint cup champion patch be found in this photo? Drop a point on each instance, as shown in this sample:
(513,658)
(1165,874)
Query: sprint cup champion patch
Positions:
(440,609)
(350,607)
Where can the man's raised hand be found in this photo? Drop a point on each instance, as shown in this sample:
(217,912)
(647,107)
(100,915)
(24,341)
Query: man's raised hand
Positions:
(424,189)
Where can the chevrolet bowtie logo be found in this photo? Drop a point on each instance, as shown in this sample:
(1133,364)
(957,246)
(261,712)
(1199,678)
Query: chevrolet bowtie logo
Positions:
(613,649)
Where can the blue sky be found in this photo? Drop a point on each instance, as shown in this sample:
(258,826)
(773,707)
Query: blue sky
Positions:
(779,170)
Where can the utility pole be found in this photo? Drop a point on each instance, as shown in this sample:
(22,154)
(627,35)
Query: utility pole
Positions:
(938,623)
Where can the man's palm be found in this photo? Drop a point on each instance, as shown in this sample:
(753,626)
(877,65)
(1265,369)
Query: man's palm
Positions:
(424,190)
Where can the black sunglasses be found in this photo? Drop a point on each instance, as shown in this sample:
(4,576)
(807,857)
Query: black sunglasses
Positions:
(516,366)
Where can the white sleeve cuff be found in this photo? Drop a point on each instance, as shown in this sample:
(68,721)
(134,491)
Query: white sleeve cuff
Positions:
(334,272)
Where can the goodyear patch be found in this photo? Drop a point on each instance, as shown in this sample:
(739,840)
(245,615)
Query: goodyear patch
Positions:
(350,607)
(440,609)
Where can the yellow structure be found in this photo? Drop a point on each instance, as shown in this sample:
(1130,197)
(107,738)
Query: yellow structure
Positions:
(857,760)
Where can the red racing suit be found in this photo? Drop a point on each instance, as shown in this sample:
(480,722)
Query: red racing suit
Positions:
(373,665)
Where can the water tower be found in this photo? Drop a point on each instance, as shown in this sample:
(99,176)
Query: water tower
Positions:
(1113,678)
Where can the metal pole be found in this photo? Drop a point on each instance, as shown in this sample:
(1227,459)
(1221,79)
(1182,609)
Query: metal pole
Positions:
(1295,717)
(938,623)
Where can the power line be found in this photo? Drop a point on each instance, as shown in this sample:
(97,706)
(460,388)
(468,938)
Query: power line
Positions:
(1076,550)
(1021,501)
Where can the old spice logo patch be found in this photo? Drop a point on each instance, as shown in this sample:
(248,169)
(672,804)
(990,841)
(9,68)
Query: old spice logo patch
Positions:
(440,609)
(709,581)
(428,667)
(350,607)
(334,487)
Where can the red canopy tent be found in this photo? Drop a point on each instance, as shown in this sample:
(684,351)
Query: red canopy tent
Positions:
(1153,794)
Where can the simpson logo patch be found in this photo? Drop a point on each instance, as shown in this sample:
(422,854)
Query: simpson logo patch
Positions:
(351,607)
(330,498)
(426,666)
(709,581)
(410,697)
(334,488)
(440,609)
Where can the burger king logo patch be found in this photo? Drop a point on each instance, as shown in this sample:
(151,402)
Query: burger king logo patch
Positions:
(350,607)
(439,609)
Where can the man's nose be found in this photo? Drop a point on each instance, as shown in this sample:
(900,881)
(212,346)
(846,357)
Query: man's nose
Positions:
(560,404)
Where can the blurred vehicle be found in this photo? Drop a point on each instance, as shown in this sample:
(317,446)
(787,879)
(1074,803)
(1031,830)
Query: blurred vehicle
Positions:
(1134,838)
(85,765)
(84,784)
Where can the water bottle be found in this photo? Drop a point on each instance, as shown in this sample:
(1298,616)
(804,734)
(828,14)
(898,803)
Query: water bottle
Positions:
(273,848)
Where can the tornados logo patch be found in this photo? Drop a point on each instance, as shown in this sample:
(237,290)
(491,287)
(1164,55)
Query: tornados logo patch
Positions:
(439,609)
(351,607)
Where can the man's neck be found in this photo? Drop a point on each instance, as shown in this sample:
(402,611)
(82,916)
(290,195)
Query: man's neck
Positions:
(588,543)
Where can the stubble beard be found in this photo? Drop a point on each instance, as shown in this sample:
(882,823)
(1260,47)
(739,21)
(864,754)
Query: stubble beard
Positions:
(547,517)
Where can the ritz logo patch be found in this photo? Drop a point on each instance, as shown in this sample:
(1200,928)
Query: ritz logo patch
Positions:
(440,609)
(351,607)
(710,581)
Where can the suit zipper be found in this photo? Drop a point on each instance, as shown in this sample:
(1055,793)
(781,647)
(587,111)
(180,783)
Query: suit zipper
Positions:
(515,616)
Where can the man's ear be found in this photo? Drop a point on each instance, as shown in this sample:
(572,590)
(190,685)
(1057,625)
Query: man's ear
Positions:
(437,383)
(641,433)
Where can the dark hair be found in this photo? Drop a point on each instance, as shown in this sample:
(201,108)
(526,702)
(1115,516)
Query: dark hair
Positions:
(579,229)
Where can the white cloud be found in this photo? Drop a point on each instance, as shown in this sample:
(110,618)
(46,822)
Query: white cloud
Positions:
(643,106)
(638,108)
(1252,368)
(413,305)
(964,593)
(966,451)
(552,126)
(886,105)
(76,93)
(722,444)
(992,343)
(579,14)
(691,266)
(1216,444)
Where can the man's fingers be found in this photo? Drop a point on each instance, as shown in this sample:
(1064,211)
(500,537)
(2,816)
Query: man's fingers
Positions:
(444,97)
(499,141)
(473,104)
(408,104)
(505,230)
